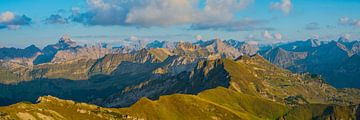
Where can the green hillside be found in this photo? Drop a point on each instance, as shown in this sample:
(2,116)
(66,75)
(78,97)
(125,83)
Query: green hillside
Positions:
(219,104)
(258,90)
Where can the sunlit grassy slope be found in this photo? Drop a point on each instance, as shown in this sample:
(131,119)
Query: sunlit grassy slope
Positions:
(257,91)
(218,103)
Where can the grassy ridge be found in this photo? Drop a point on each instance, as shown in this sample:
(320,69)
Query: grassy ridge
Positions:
(218,103)
(215,103)
(257,91)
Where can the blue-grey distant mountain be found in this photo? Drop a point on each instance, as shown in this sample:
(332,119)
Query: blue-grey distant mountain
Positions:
(299,46)
(10,53)
(68,50)
(233,48)
(328,59)
(49,52)
(213,76)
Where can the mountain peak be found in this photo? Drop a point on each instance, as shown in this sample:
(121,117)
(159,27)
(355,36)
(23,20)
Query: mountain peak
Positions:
(314,42)
(32,47)
(343,40)
(155,44)
(217,40)
(66,40)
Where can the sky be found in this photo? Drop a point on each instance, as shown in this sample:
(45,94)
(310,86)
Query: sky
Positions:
(42,22)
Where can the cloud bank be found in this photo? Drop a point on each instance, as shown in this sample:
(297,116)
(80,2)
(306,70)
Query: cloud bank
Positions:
(312,26)
(9,20)
(346,21)
(239,25)
(55,19)
(285,6)
(269,36)
(214,14)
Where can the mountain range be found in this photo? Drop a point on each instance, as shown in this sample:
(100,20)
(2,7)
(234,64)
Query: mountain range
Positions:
(335,61)
(214,79)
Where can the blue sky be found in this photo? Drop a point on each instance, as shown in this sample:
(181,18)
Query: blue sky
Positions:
(41,22)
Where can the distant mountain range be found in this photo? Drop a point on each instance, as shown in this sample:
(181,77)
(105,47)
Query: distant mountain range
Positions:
(330,59)
(214,79)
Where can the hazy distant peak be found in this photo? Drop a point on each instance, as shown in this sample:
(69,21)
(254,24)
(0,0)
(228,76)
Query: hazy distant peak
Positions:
(314,42)
(32,47)
(66,40)
(343,40)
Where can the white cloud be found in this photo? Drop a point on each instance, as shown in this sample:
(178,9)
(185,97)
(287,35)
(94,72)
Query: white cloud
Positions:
(75,10)
(312,26)
(98,4)
(252,42)
(132,38)
(250,36)
(199,37)
(278,36)
(12,21)
(238,25)
(102,12)
(349,22)
(147,13)
(357,23)
(55,19)
(344,20)
(173,12)
(315,36)
(222,10)
(7,16)
(285,6)
(267,35)
(347,36)
(162,13)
